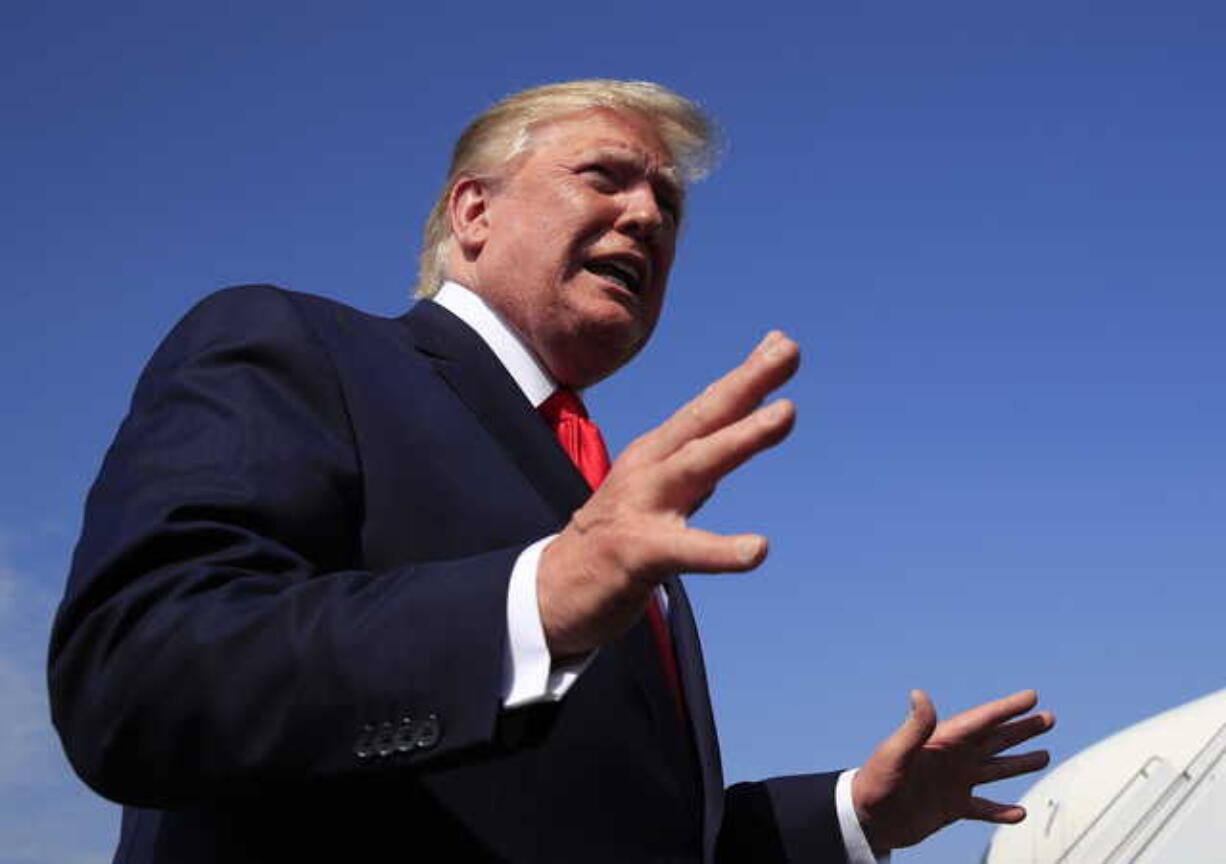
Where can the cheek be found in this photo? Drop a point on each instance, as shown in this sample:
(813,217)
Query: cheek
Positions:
(561,233)
(584,215)
(666,266)
(531,250)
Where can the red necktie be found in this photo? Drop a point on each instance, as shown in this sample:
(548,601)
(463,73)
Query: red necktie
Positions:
(583,443)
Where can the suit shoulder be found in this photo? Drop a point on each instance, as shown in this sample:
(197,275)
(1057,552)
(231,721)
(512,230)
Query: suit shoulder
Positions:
(266,303)
(237,310)
(239,346)
(265,312)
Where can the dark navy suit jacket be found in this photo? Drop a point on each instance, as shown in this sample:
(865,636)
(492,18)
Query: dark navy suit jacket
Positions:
(283,634)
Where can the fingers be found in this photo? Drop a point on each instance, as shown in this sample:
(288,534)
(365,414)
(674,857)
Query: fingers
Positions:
(699,465)
(975,722)
(1003,767)
(983,810)
(697,551)
(897,750)
(1011,734)
(732,397)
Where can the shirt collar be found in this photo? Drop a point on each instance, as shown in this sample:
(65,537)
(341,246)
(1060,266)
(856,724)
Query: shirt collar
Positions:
(529,375)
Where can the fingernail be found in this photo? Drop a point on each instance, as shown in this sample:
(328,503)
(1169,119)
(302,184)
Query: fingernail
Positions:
(767,340)
(749,548)
(777,410)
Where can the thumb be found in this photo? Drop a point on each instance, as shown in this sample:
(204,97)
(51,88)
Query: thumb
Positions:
(907,740)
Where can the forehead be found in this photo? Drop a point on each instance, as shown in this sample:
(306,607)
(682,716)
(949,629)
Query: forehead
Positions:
(602,130)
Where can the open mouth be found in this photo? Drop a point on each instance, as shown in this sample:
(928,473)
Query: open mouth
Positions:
(626,272)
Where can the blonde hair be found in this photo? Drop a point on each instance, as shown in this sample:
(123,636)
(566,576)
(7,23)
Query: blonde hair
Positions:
(504,131)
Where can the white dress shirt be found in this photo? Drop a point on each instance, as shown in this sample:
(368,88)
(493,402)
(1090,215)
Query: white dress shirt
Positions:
(529,673)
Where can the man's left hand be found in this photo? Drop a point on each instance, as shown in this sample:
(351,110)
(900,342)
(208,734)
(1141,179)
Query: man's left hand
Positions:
(920,779)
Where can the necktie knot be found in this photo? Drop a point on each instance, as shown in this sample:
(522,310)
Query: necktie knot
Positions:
(579,436)
(562,404)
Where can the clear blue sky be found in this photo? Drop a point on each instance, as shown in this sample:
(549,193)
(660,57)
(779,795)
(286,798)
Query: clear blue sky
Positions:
(996,230)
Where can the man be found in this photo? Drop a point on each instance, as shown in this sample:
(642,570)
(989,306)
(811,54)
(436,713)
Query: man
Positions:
(341,595)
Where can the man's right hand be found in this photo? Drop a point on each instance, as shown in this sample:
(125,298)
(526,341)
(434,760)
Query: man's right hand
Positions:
(596,577)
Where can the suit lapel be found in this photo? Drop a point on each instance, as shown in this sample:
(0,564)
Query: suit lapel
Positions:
(693,675)
(643,657)
(472,371)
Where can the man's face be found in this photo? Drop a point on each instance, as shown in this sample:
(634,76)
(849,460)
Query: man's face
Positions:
(580,238)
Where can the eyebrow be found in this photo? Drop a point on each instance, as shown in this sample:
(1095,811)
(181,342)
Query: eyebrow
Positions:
(620,152)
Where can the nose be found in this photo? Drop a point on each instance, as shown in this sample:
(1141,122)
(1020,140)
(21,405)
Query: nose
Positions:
(642,217)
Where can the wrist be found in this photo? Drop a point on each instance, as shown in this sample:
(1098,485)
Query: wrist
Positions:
(554,637)
(868,825)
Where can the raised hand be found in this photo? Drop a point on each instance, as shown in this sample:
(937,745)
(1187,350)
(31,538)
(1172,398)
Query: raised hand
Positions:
(921,778)
(595,578)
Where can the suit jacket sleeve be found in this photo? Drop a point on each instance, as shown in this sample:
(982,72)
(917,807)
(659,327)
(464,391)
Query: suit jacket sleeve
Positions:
(215,639)
(782,820)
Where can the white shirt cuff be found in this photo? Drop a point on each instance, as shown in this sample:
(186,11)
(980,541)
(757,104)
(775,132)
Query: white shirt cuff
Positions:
(529,674)
(854,841)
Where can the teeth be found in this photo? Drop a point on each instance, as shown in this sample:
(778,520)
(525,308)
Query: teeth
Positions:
(618,271)
(626,271)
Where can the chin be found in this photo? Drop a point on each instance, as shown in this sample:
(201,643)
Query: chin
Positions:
(601,352)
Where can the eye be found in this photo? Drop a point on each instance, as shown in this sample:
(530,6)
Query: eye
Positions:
(670,207)
(602,176)
(669,202)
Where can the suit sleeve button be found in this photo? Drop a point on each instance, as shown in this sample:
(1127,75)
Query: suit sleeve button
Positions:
(406,735)
(384,739)
(363,747)
(428,732)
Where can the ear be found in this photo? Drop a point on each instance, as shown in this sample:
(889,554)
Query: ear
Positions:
(468,210)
